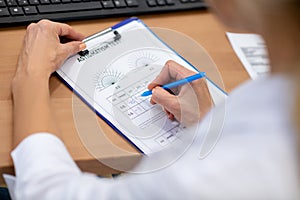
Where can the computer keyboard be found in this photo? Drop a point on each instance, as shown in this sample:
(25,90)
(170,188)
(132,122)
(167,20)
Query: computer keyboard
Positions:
(13,12)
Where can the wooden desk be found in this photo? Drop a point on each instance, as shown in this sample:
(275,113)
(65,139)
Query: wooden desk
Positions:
(199,25)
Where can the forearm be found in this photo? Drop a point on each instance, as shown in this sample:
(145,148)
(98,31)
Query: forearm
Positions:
(32,107)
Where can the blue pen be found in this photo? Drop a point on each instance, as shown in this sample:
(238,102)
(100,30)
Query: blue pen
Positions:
(177,83)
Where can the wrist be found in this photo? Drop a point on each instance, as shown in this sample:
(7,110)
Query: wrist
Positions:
(26,69)
(29,81)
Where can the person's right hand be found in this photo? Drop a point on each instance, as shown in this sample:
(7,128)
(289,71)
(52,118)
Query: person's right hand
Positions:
(191,102)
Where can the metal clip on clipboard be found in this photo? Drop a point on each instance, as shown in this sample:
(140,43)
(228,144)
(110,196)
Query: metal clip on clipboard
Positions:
(117,36)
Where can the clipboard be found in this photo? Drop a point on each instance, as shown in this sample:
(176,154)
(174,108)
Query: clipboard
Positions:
(112,72)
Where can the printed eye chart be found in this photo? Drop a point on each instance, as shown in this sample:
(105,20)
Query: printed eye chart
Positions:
(112,77)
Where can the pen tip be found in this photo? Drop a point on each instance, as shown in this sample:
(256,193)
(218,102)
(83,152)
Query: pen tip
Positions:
(147,93)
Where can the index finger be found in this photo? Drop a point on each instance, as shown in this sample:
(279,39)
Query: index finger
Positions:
(171,72)
(68,31)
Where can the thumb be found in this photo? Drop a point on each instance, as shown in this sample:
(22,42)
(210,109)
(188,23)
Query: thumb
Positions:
(72,48)
(165,99)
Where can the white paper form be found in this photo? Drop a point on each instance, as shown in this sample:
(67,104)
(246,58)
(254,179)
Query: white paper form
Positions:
(251,50)
(113,76)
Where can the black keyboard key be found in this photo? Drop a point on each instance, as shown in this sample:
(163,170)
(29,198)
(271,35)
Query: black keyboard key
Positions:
(161,2)
(69,7)
(27,11)
(120,3)
(151,3)
(132,3)
(55,1)
(45,2)
(11,2)
(4,12)
(170,2)
(34,2)
(16,11)
(108,4)
(2,4)
(30,10)
(23,2)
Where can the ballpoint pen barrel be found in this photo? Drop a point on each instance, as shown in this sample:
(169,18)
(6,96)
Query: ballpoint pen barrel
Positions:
(178,83)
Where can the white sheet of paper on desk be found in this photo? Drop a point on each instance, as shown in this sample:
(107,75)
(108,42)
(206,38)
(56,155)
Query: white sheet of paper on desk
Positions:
(251,50)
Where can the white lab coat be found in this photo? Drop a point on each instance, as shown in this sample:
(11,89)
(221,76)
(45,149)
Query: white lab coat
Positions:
(255,158)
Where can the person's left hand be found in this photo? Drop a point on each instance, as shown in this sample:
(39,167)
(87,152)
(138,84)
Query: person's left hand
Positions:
(42,51)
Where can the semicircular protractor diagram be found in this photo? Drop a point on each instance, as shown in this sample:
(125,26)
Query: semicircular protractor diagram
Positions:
(142,58)
(107,78)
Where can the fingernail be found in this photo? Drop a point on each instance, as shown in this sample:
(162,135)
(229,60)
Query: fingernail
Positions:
(82,46)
